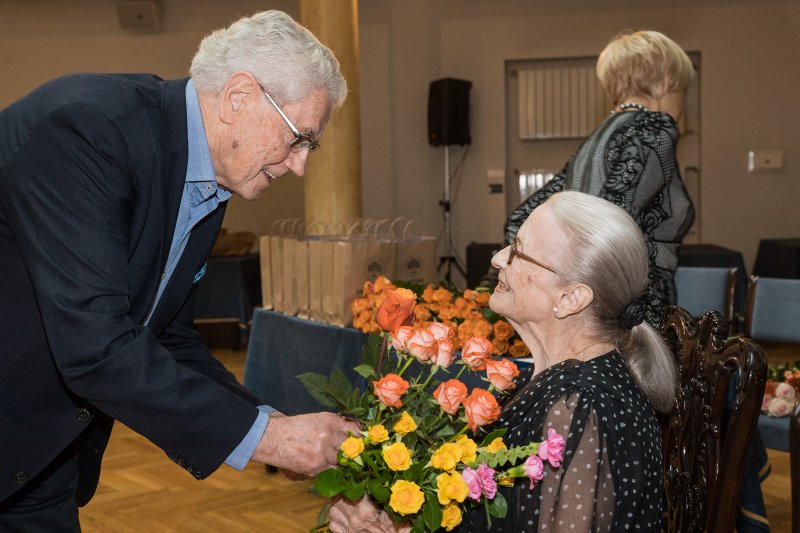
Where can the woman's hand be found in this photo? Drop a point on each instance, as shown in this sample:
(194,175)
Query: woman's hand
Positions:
(362,516)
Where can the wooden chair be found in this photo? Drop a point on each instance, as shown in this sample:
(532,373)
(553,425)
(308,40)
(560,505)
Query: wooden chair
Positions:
(706,441)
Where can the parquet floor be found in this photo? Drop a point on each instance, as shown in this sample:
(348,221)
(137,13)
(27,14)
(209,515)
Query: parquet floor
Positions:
(142,491)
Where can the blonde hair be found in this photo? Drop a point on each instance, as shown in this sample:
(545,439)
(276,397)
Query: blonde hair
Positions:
(644,64)
(609,255)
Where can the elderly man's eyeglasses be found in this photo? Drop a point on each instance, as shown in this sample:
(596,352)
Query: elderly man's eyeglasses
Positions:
(514,252)
(301,140)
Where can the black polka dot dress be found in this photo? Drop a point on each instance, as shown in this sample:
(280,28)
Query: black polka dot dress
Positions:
(611,476)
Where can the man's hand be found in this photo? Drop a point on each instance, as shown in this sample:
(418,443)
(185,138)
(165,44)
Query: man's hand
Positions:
(304,444)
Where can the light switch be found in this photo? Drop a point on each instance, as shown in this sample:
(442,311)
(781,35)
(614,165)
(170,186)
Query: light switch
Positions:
(764,160)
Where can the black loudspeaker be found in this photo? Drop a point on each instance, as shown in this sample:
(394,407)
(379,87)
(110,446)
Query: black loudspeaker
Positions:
(448,112)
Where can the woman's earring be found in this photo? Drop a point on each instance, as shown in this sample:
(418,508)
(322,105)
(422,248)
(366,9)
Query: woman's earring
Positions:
(555,312)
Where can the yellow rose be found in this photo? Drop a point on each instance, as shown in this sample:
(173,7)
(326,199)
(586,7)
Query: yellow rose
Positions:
(407,497)
(469,449)
(446,457)
(505,481)
(451,516)
(450,487)
(352,447)
(496,445)
(405,425)
(378,433)
(397,456)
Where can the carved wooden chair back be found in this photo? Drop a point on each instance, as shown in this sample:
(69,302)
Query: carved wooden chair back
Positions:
(708,437)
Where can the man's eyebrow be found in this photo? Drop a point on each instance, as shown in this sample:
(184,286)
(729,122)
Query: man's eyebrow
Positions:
(310,132)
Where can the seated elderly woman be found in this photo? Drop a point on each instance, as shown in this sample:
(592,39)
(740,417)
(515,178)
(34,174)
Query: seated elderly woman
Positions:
(571,284)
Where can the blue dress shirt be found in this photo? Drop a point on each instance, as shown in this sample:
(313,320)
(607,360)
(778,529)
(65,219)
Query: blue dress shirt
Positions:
(201,196)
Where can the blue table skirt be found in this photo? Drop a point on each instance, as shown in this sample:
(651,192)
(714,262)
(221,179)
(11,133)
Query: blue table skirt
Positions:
(774,432)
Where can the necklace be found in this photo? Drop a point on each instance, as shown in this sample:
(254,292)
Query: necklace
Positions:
(630,105)
(584,349)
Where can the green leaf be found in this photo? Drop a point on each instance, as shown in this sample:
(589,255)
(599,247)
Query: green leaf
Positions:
(354,491)
(329,483)
(378,490)
(340,386)
(371,350)
(432,513)
(317,387)
(366,371)
(323,517)
(498,506)
(491,436)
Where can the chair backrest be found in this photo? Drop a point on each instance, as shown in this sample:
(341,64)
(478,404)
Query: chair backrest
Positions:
(773,309)
(701,289)
(711,426)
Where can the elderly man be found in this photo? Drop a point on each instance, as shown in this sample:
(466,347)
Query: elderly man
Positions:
(112,191)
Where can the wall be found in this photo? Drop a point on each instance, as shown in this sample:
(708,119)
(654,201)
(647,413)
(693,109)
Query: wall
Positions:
(750,74)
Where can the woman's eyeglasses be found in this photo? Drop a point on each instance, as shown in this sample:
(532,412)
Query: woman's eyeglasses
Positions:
(514,252)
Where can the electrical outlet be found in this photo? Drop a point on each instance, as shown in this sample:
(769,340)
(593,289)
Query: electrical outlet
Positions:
(764,160)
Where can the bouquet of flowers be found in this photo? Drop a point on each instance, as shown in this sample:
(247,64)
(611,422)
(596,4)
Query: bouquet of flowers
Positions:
(467,313)
(781,391)
(422,455)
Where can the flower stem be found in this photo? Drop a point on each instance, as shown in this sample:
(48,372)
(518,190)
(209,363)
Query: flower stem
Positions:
(405,367)
(383,350)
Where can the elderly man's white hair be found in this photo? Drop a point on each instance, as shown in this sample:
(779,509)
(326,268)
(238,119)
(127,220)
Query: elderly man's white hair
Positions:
(284,57)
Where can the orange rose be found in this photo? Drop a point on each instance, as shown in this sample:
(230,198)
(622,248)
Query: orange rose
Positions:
(396,310)
(518,349)
(368,289)
(390,388)
(440,331)
(422,313)
(447,311)
(499,347)
(400,338)
(465,331)
(470,295)
(501,373)
(359,305)
(427,294)
(474,352)
(449,394)
(422,345)
(482,299)
(444,354)
(442,296)
(502,330)
(382,283)
(481,408)
(481,327)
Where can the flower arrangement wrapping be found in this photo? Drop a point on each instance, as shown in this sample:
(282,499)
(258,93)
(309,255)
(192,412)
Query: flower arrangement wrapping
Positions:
(467,313)
(423,455)
(782,389)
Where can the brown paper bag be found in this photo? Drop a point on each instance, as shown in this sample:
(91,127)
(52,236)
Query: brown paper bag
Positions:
(300,276)
(291,248)
(415,256)
(276,262)
(266,274)
(355,260)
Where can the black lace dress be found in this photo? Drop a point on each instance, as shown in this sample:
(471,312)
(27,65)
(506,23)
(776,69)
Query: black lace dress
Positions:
(630,160)
(611,476)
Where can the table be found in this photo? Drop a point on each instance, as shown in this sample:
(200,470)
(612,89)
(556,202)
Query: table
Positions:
(778,258)
(282,347)
(229,291)
(712,255)
(774,432)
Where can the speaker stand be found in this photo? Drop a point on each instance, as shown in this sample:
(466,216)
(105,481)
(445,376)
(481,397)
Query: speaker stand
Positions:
(448,260)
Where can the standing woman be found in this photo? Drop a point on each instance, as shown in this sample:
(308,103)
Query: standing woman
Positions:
(630,158)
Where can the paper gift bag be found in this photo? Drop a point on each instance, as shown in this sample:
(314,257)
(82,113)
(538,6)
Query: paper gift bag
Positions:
(415,257)
(276,262)
(319,270)
(300,277)
(355,260)
(266,274)
(291,248)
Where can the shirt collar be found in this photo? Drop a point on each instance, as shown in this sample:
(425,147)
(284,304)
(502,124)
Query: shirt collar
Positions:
(199,167)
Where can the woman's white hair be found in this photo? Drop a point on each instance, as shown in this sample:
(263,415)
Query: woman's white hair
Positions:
(284,57)
(608,253)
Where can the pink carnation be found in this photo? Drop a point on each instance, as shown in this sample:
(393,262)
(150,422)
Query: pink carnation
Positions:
(534,469)
(552,450)
(480,481)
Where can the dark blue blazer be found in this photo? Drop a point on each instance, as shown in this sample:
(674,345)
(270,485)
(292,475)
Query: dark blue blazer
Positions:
(92,169)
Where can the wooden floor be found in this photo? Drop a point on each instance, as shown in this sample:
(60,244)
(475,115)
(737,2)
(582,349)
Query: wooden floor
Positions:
(141,490)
